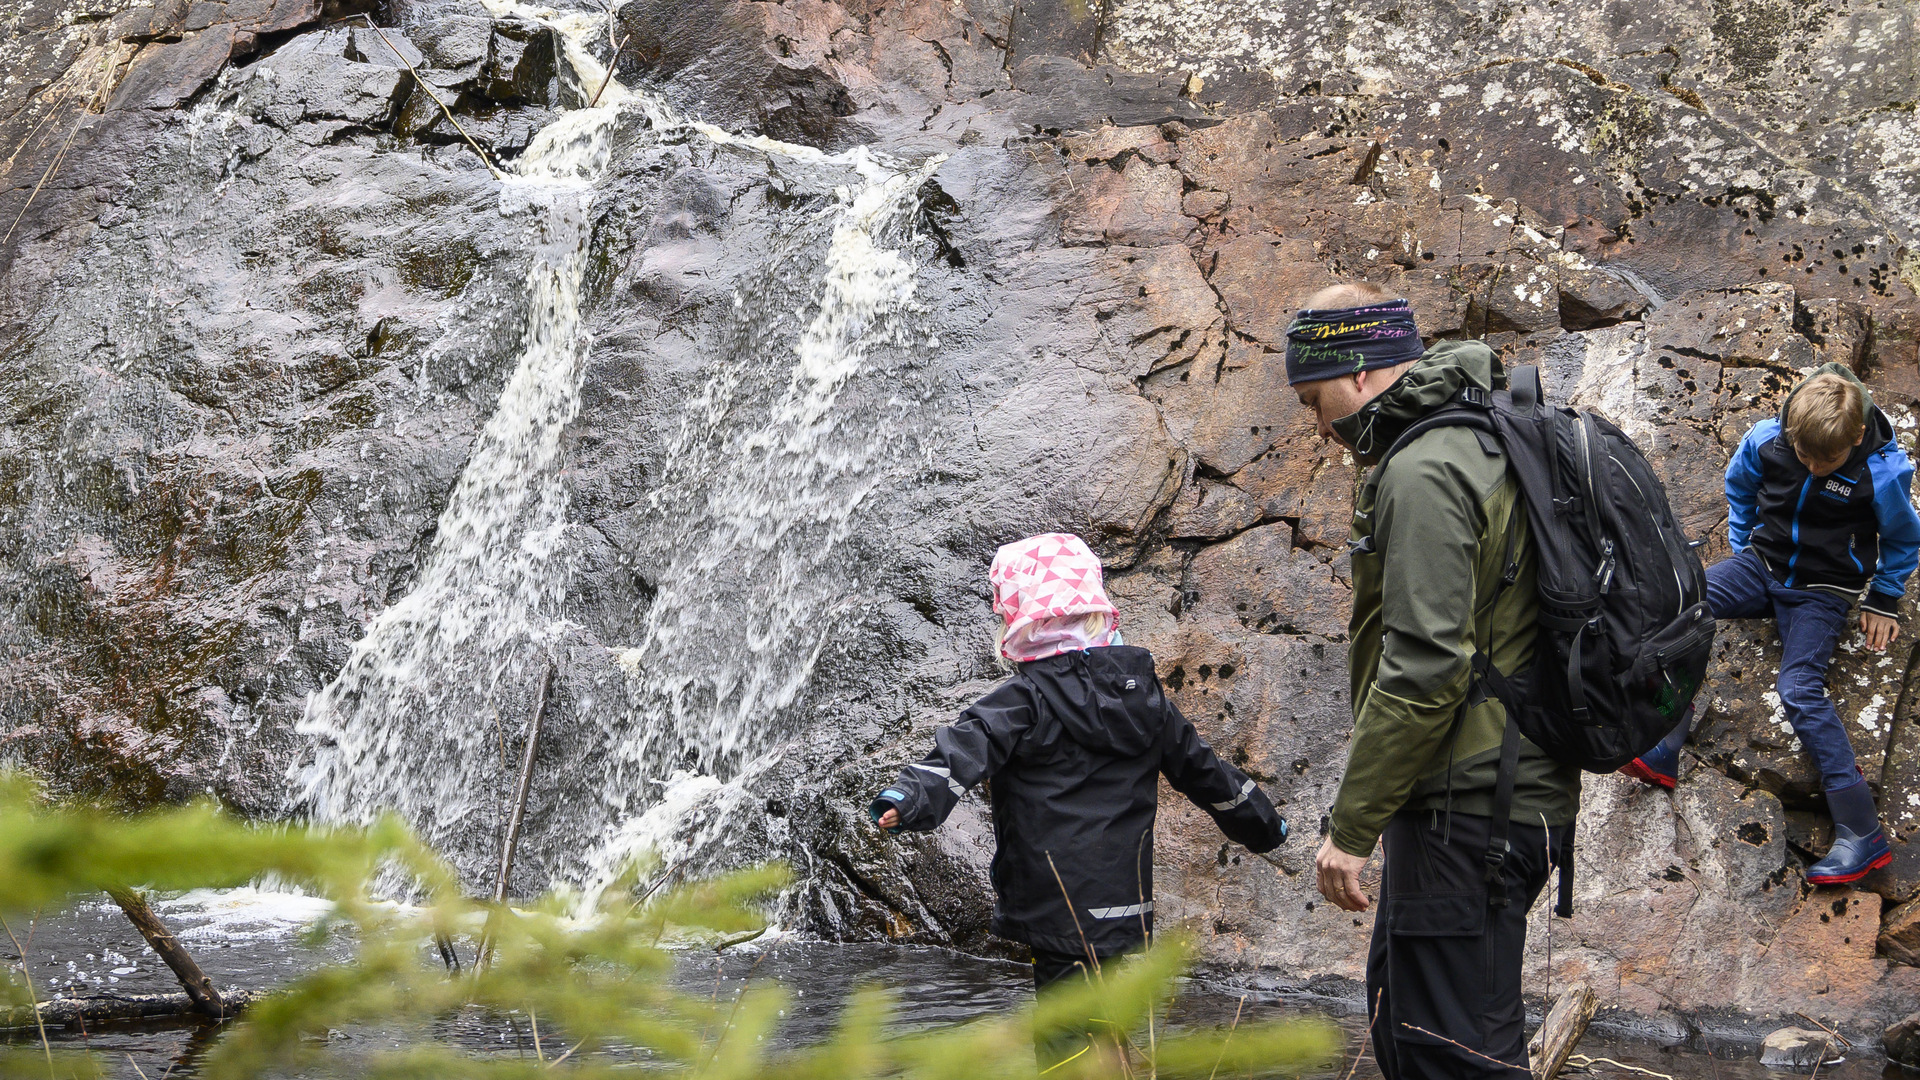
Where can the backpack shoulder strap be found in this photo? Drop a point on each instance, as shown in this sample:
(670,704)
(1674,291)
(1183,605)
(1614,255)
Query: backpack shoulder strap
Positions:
(1470,409)
(1523,386)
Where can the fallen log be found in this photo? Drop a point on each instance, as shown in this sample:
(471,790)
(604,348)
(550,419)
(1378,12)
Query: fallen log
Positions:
(104,1008)
(206,997)
(1561,1031)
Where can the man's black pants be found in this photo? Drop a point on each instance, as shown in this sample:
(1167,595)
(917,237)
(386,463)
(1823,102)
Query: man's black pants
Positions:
(1444,963)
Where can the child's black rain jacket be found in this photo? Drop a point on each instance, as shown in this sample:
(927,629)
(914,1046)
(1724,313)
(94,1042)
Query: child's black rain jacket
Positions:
(1075,745)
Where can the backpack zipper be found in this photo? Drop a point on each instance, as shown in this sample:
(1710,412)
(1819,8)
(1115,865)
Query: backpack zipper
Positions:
(1680,590)
(1602,574)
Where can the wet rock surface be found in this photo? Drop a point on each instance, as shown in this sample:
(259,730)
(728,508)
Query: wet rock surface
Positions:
(1902,1041)
(260,294)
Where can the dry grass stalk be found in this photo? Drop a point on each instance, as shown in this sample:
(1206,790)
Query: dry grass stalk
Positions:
(733,1013)
(32,995)
(1231,1028)
(1843,1039)
(1093,962)
(1146,935)
(1471,1050)
(1372,1018)
(428,90)
(96,103)
(1584,1061)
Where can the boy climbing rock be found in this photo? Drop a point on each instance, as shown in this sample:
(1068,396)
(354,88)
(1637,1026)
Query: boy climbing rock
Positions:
(1819,509)
(1075,744)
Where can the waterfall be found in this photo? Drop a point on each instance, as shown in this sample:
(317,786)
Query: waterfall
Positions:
(399,727)
(755,584)
(749,512)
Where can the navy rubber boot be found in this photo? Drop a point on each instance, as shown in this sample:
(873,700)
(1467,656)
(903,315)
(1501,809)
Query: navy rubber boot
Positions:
(1851,858)
(1859,843)
(1660,766)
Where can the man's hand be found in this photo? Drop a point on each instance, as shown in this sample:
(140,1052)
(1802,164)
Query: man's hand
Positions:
(1880,630)
(890,819)
(1339,875)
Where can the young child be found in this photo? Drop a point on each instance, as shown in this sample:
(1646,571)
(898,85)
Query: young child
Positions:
(1075,743)
(1819,508)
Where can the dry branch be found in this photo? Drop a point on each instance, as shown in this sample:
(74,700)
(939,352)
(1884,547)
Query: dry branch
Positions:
(428,90)
(101,1009)
(526,785)
(608,81)
(206,998)
(519,811)
(1561,1031)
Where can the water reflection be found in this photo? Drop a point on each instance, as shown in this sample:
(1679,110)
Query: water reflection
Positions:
(254,940)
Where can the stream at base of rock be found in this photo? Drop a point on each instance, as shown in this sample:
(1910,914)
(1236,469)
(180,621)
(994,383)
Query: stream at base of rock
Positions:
(256,939)
(339,398)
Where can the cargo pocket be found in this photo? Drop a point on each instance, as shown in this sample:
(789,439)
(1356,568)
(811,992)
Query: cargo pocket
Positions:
(1454,914)
(1438,973)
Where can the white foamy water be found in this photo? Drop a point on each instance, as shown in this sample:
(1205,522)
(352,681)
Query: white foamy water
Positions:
(411,722)
(756,585)
(752,506)
(249,913)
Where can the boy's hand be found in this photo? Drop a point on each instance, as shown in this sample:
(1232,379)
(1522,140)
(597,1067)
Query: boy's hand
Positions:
(890,819)
(1880,630)
(1339,875)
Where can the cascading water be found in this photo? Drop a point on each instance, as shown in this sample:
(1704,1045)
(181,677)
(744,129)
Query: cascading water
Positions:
(757,507)
(398,725)
(746,519)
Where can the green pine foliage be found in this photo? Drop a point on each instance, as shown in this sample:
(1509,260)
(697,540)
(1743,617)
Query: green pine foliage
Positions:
(588,978)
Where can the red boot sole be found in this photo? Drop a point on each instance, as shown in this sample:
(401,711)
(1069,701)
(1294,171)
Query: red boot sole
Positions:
(1846,879)
(1639,771)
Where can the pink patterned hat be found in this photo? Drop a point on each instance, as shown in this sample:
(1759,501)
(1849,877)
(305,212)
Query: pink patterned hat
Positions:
(1045,587)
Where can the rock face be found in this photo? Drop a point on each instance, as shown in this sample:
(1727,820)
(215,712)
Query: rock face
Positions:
(262,293)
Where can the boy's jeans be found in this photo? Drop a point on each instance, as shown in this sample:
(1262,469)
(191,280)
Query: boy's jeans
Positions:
(1811,622)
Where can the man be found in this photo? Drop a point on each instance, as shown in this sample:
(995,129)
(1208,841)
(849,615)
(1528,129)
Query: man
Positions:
(1443,567)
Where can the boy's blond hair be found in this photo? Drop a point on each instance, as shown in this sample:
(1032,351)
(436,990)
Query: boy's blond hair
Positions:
(1826,417)
(1348,294)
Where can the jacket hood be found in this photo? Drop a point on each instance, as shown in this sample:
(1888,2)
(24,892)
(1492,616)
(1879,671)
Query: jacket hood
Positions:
(1107,699)
(1879,429)
(1049,592)
(1432,381)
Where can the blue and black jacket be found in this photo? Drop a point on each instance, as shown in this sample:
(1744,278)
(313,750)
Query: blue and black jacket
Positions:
(1851,530)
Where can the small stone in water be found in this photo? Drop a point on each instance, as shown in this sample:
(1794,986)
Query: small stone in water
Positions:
(1798,1048)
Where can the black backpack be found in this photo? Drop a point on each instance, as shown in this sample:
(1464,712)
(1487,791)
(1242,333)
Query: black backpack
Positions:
(1625,631)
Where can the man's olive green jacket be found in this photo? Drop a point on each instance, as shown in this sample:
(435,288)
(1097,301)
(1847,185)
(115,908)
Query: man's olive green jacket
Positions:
(1430,541)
